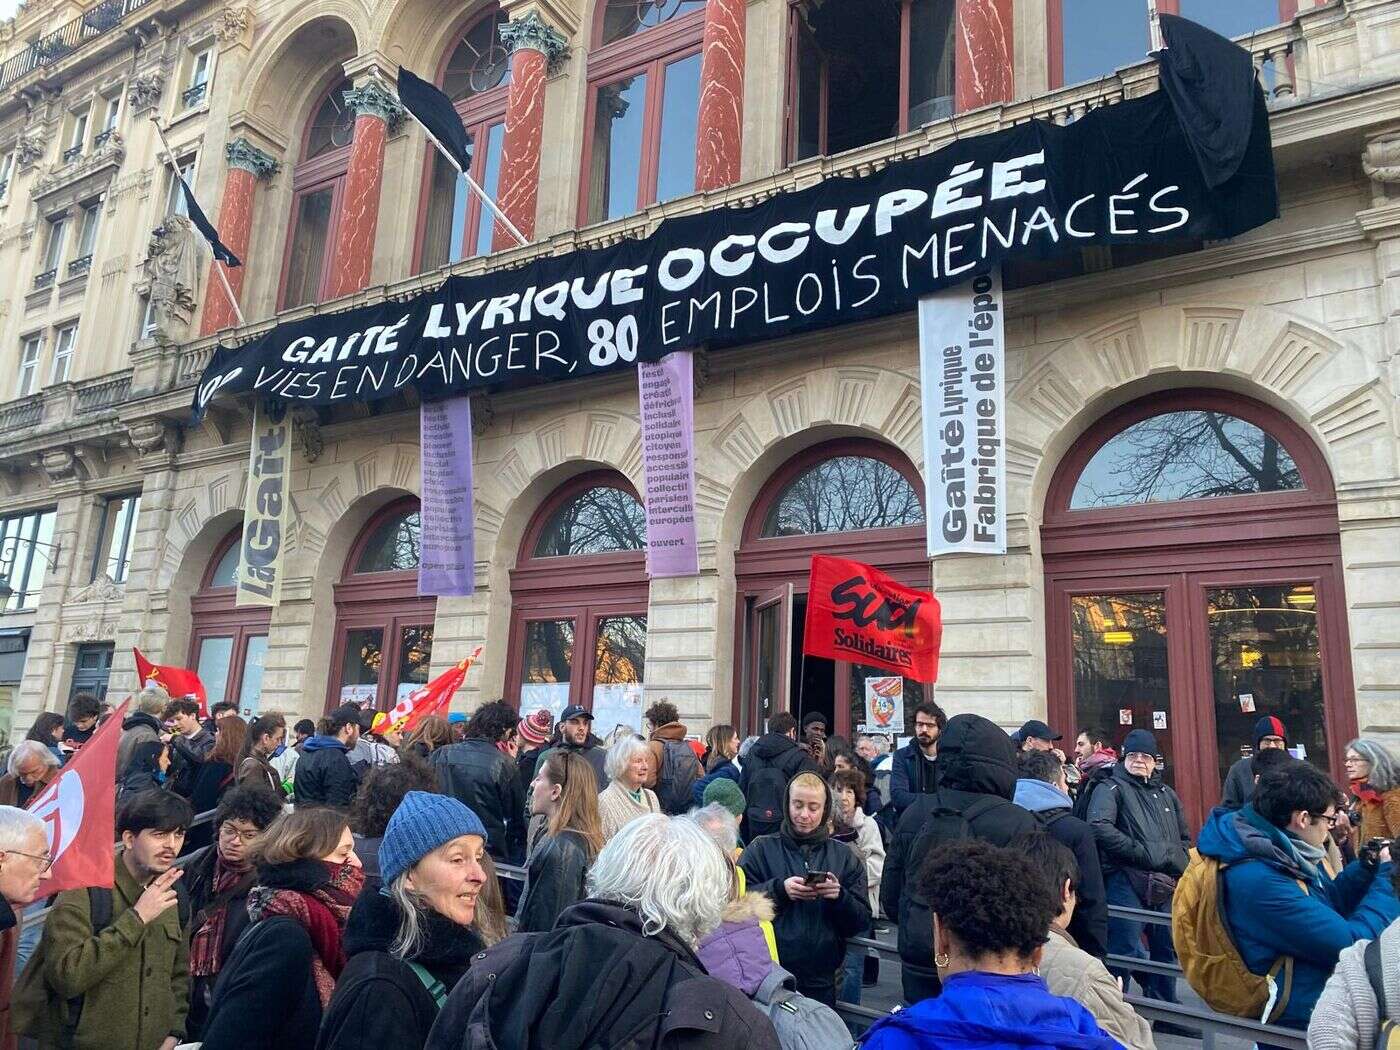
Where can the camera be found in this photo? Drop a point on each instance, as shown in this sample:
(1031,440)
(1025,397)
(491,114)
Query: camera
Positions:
(1370,853)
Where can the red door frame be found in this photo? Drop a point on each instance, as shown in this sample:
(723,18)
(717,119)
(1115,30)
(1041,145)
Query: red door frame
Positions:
(764,563)
(1184,548)
(215,614)
(329,170)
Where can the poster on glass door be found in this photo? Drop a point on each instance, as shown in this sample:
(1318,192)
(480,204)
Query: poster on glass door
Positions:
(617,704)
(549,696)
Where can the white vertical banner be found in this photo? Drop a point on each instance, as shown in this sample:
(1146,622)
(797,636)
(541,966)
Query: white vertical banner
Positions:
(962,374)
(264,541)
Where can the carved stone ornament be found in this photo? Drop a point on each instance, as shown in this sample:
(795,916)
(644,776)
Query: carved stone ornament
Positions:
(172,268)
(30,147)
(307,426)
(102,589)
(375,99)
(243,154)
(483,413)
(233,23)
(110,153)
(90,629)
(59,464)
(144,91)
(531,32)
(1380,160)
(148,436)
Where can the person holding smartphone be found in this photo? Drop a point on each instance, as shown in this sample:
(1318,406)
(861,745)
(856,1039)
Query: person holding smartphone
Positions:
(817,885)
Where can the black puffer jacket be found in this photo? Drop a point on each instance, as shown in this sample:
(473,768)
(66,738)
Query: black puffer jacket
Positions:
(1139,825)
(596,980)
(481,776)
(976,781)
(770,751)
(811,935)
(379,1000)
(554,880)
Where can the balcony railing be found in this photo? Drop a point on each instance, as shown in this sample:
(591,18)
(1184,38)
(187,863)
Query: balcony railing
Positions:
(72,153)
(80,266)
(192,96)
(103,137)
(98,20)
(45,279)
(25,412)
(102,394)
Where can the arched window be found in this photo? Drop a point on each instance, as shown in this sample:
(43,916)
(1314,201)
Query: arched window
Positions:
(318,182)
(228,642)
(864,70)
(383,627)
(1193,581)
(476,76)
(643,105)
(850,498)
(579,603)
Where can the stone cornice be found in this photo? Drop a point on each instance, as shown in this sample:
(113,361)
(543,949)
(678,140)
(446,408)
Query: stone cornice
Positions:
(243,155)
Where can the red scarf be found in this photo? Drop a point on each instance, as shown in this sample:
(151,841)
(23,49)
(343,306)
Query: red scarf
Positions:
(206,946)
(1366,793)
(322,913)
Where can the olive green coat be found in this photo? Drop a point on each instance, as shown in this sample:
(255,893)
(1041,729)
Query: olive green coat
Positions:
(133,977)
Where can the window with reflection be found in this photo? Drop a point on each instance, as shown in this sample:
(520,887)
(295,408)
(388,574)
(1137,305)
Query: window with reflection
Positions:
(228,642)
(318,182)
(844,494)
(848,83)
(1185,455)
(393,546)
(26,556)
(644,99)
(477,79)
(601,520)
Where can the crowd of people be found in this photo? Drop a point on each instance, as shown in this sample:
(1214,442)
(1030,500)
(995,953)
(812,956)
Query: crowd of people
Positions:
(676,893)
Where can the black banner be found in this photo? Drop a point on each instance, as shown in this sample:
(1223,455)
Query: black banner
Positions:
(848,249)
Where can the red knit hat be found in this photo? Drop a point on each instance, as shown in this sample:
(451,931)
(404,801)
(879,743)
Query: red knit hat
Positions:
(535,727)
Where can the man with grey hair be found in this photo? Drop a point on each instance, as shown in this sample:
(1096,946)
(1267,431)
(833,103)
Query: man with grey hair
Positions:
(30,767)
(24,865)
(141,726)
(619,966)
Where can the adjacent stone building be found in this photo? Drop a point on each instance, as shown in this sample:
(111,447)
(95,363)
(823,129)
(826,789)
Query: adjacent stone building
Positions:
(1204,455)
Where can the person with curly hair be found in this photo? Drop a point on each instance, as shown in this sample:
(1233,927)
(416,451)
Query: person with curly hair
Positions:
(378,796)
(486,780)
(991,918)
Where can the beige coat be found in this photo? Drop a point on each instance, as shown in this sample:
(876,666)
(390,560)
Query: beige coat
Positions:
(1070,971)
(616,807)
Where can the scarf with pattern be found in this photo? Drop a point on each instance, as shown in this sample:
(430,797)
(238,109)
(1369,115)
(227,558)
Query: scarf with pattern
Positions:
(321,911)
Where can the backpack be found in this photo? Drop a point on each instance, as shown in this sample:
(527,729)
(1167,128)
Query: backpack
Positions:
(765,795)
(1212,964)
(801,1023)
(1086,791)
(1387,1031)
(675,782)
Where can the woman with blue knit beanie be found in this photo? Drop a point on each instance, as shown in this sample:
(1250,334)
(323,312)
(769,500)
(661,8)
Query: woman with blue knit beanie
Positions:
(409,940)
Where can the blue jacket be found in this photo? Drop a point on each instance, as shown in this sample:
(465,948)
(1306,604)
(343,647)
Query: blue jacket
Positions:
(910,777)
(1270,915)
(726,769)
(991,1012)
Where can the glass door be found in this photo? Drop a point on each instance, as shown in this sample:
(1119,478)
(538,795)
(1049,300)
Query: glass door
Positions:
(366,650)
(547,669)
(770,656)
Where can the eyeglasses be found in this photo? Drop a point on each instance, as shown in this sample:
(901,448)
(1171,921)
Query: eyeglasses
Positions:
(45,861)
(228,831)
(1331,820)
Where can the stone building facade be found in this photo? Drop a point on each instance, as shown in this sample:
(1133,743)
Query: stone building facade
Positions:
(1252,567)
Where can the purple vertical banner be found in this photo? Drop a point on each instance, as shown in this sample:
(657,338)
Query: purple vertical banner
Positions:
(667,390)
(447,547)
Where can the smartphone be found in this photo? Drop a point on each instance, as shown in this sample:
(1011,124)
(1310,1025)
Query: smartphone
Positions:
(812,878)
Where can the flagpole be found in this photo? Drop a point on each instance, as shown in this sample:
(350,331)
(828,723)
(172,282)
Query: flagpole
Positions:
(471,182)
(218,264)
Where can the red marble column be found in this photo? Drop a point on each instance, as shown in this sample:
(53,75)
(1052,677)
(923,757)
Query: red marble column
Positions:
(719,137)
(247,164)
(359,207)
(517,193)
(984,71)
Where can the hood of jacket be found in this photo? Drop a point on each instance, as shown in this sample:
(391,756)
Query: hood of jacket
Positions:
(771,745)
(737,952)
(374,923)
(140,718)
(589,743)
(1040,797)
(1231,836)
(1102,756)
(994,1012)
(975,754)
(323,743)
(672,731)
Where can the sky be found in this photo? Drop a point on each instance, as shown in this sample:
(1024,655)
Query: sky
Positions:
(8,8)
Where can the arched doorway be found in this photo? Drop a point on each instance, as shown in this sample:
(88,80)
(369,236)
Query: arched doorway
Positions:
(383,627)
(578,627)
(228,642)
(1193,585)
(851,498)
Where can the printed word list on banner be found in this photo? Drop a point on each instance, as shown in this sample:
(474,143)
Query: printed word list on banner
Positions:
(962,372)
(263,547)
(447,562)
(667,394)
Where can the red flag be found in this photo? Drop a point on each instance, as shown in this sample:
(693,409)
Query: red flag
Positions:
(79,811)
(430,699)
(177,681)
(857,613)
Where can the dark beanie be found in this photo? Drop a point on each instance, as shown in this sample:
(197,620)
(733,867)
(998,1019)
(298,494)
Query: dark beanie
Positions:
(812,718)
(1140,740)
(1269,726)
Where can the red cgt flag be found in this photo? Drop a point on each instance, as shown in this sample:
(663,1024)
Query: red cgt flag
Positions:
(79,811)
(426,700)
(177,681)
(857,613)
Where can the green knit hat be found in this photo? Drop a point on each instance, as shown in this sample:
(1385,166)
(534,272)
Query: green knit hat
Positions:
(726,792)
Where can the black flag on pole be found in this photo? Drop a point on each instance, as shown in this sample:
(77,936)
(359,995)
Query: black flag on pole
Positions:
(435,111)
(204,226)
